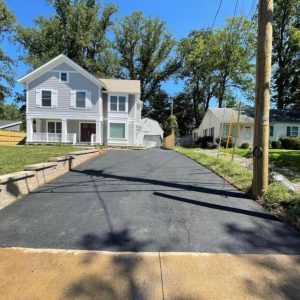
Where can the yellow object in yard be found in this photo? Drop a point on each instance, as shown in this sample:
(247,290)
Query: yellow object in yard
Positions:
(229,132)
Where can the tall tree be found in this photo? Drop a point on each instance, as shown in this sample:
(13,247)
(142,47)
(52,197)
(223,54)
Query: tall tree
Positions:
(286,54)
(77,29)
(144,46)
(7,26)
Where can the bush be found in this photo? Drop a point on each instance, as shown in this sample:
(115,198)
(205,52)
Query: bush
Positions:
(290,142)
(245,146)
(213,146)
(276,144)
(224,142)
(205,142)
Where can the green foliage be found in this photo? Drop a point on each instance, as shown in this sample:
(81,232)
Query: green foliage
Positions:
(144,47)
(77,29)
(205,142)
(276,144)
(286,54)
(7,64)
(170,125)
(290,142)
(245,146)
(233,173)
(277,192)
(224,142)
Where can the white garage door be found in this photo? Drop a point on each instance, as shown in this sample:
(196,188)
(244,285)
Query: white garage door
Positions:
(151,141)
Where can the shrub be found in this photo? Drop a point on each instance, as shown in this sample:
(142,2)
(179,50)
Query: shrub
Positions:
(205,142)
(276,144)
(290,142)
(245,146)
(213,146)
(224,142)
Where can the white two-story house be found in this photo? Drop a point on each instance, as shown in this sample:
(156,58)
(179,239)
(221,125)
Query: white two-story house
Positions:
(67,104)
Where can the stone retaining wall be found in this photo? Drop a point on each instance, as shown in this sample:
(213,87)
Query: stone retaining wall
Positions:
(13,186)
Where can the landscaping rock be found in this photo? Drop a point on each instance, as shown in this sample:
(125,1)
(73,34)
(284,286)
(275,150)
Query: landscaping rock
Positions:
(277,177)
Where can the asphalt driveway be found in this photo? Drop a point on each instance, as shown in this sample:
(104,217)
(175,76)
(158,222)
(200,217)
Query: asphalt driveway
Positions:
(150,200)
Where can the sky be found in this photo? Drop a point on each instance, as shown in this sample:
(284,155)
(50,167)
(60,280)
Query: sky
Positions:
(181,17)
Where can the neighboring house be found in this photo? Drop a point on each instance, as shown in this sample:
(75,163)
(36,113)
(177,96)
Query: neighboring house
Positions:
(67,104)
(10,125)
(217,118)
(284,123)
(150,134)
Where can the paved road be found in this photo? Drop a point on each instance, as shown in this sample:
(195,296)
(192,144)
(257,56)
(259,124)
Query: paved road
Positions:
(150,200)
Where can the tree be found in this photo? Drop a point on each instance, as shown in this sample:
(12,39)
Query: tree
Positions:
(234,52)
(10,112)
(286,54)
(170,125)
(144,47)
(78,29)
(7,25)
(183,110)
(158,106)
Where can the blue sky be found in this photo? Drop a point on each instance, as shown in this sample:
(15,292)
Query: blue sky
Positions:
(181,16)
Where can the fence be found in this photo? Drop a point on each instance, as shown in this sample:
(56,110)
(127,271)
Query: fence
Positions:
(12,137)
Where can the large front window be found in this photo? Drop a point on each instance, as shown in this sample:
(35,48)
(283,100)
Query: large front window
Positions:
(46,98)
(80,99)
(117,130)
(118,103)
(54,127)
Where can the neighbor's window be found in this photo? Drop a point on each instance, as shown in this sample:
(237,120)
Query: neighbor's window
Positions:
(54,127)
(292,131)
(118,103)
(117,130)
(80,99)
(271,130)
(46,98)
(64,77)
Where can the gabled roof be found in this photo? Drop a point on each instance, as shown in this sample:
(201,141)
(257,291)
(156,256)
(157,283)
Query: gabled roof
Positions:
(9,123)
(56,61)
(224,115)
(122,86)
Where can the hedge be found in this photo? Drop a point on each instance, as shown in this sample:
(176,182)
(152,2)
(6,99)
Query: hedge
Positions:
(290,142)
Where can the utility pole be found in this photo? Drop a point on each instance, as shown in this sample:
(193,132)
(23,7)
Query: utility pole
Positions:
(262,99)
(172,106)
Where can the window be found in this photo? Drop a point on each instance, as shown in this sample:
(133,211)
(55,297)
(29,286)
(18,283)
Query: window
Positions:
(46,98)
(80,99)
(114,103)
(63,77)
(54,127)
(292,131)
(271,130)
(117,130)
(118,103)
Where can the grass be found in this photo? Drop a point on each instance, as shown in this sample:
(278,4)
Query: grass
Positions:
(279,157)
(14,158)
(277,198)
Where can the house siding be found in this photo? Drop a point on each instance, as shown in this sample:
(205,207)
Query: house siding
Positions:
(280,129)
(63,67)
(50,80)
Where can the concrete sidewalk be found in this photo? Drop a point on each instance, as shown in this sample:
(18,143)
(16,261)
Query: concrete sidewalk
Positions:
(64,274)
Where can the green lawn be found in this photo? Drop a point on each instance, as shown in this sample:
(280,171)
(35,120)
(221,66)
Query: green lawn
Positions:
(14,158)
(279,157)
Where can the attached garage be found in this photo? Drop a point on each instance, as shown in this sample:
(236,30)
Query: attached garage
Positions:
(150,134)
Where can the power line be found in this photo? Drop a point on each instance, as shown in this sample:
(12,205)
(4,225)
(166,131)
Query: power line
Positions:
(216,15)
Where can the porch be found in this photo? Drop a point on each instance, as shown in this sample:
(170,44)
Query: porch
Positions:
(66,131)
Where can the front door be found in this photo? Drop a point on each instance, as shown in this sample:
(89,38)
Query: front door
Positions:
(86,130)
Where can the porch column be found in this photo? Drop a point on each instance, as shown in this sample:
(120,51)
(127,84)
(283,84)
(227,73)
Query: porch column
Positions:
(98,132)
(63,130)
(29,129)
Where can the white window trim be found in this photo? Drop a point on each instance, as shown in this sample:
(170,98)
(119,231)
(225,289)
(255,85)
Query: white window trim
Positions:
(47,90)
(118,95)
(85,122)
(67,72)
(117,122)
(53,121)
(85,99)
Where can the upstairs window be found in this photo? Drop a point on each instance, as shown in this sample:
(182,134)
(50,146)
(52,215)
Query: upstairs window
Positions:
(46,98)
(63,77)
(80,99)
(118,103)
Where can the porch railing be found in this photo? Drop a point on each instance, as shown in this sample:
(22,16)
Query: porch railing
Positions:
(93,139)
(53,137)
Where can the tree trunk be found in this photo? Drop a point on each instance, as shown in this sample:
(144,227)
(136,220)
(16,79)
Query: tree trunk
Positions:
(221,93)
